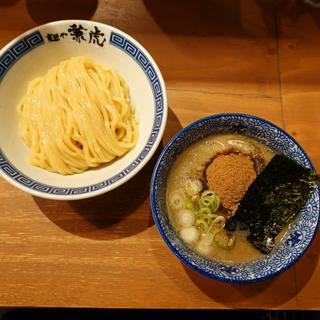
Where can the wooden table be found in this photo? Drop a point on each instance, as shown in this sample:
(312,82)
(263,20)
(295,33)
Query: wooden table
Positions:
(257,57)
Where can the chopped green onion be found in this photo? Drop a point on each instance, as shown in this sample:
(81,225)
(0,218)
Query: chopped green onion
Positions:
(204,217)
(215,228)
(204,226)
(207,193)
(205,201)
(215,204)
(204,211)
(208,203)
(210,200)
(224,239)
(220,220)
(194,187)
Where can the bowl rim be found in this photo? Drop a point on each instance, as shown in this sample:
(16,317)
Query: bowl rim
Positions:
(187,262)
(141,164)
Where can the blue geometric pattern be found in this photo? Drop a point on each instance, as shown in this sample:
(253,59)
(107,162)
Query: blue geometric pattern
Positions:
(302,230)
(17,50)
(9,57)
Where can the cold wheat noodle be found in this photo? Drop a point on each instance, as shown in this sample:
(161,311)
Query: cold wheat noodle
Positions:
(77,116)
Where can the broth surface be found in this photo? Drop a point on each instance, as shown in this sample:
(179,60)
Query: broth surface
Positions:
(191,164)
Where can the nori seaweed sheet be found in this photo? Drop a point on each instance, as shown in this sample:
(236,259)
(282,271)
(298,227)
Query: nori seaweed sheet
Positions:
(273,200)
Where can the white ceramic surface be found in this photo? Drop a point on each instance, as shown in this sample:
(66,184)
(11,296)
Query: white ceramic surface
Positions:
(31,55)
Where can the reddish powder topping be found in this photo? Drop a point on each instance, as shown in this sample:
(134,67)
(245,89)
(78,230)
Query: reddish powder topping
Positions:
(230,176)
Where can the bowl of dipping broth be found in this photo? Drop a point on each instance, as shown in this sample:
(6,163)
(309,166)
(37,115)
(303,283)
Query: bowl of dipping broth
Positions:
(83,108)
(235,198)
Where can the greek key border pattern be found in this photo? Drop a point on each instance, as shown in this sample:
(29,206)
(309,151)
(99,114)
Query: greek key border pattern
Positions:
(10,56)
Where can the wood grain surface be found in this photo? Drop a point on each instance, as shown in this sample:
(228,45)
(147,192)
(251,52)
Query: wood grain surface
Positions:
(257,57)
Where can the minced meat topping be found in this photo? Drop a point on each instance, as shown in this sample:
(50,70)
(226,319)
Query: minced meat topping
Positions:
(230,175)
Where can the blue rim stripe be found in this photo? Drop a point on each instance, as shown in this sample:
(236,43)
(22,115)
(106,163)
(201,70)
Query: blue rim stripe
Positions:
(18,50)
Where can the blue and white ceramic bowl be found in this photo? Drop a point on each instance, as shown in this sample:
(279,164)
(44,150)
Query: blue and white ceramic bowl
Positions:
(294,244)
(31,55)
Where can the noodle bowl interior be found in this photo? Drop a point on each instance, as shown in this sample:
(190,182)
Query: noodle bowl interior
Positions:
(77,116)
(204,189)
